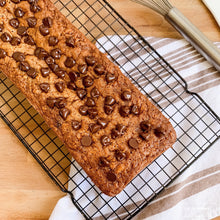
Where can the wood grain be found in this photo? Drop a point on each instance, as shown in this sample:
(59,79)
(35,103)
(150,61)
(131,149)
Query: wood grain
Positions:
(149,23)
(26,192)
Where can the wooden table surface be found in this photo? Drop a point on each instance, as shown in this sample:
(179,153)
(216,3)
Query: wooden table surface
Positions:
(26,192)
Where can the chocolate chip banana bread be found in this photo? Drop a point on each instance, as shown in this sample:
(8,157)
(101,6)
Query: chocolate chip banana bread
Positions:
(110,128)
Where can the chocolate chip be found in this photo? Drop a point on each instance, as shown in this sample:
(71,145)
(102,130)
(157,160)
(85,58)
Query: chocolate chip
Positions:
(18,56)
(110,77)
(94,92)
(16,1)
(45,87)
(64,112)
(144,135)
(135,110)
(19,13)
(103,122)
(69,62)
(93,112)
(132,143)
(2,3)
(111,177)
(54,67)
(99,69)
(48,22)
(71,86)
(126,95)
(118,131)
(121,128)
(44,30)
(94,128)
(6,37)
(108,109)
(124,111)
(53,41)
(32,21)
(60,86)
(103,162)
(120,155)
(45,71)
(90,60)
(90,102)
(82,68)
(34,7)
(87,81)
(60,72)
(159,132)
(55,53)
(105,140)
(70,42)
(1,27)
(15,41)
(109,100)
(61,102)
(22,31)
(40,53)
(73,76)
(144,125)
(29,40)
(57,70)
(2,53)
(86,141)
(50,102)
(14,22)
(81,93)
(49,60)
(83,110)
(76,125)
(115,133)
(32,73)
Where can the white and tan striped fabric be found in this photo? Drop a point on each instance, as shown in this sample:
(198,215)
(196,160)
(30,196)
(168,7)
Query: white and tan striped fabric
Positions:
(196,193)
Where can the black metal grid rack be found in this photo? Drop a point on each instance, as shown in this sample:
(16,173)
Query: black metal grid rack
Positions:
(197,126)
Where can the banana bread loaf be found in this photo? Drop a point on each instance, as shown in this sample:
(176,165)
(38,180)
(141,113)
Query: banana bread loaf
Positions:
(110,128)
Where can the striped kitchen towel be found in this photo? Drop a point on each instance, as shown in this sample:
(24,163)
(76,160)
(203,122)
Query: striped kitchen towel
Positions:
(196,193)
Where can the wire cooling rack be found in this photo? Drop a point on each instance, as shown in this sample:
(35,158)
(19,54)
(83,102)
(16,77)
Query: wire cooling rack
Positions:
(197,126)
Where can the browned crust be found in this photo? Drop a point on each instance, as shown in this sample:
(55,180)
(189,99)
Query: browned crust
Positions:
(88,157)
